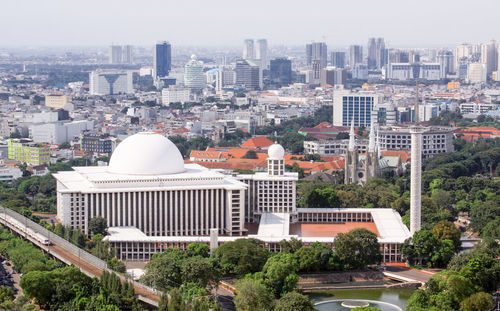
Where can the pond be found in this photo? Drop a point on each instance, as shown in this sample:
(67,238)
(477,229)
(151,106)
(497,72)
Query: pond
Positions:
(381,298)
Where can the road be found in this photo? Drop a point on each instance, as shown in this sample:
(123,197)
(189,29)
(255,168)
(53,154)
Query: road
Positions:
(416,275)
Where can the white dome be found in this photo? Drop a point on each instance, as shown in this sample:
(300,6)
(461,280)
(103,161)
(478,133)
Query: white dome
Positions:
(146,153)
(276,152)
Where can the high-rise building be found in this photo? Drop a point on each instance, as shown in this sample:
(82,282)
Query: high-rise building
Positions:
(281,72)
(120,54)
(174,94)
(338,59)
(355,55)
(357,107)
(248,49)
(331,76)
(115,54)
(127,54)
(225,77)
(372,53)
(162,59)
(445,60)
(261,53)
(317,51)
(463,53)
(110,82)
(381,53)
(477,73)
(489,56)
(194,78)
(247,75)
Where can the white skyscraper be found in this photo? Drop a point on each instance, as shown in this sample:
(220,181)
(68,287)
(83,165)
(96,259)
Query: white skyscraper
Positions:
(261,53)
(476,73)
(127,54)
(248,50)
(194,78)
(489,56)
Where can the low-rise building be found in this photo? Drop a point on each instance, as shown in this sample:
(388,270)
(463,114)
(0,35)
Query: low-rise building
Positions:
(26,151)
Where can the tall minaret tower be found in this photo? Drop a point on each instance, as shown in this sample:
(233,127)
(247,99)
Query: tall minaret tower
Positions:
(416,178)
(351,158)
(417,104)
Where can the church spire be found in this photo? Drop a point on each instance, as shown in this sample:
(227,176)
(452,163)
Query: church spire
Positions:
(371,141)
(351,137)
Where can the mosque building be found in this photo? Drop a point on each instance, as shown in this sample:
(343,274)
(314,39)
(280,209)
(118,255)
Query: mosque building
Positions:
(152,200)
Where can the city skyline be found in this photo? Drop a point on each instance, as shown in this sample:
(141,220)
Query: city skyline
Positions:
(185,23)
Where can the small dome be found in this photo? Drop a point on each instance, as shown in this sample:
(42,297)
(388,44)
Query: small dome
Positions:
(276,152)
(193,57)
(146,153)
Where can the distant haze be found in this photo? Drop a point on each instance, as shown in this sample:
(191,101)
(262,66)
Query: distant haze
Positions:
(419,23)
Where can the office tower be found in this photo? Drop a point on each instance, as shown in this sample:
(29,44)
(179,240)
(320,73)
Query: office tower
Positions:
(338,59)
(194,77)
(162,59)
(110,82)
(357,107)
(445,59)
(372,53)
(381,53)
(281,72)
(489,56)
(115,54)
(355,55)
(416,178)
(317,51)
(331,76)
(127,54)
(247,75)
(225,77)
(261,52)
(248,50)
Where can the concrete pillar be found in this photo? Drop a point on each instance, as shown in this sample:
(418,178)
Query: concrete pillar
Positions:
(416,178)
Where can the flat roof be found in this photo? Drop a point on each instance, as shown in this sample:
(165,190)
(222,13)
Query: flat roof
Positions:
(274,227)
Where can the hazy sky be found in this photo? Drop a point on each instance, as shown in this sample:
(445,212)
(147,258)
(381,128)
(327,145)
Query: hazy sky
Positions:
(228,22)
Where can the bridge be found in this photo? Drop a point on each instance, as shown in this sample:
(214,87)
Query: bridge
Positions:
(69,253)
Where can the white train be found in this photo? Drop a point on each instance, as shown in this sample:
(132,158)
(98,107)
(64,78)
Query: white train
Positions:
(37,236)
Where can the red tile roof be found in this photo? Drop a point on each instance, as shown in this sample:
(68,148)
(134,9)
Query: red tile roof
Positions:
(257,142)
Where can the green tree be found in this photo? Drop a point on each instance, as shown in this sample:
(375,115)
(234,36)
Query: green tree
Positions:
(251,154)
(98,225)
(477,302)
(290,246)
(279,273)
(357,248)
(446,230)
(253,295)
(6,294)
(241,256)
(198,270)
(308,258)
(323,198)
(492,229)
(294,301)
(420,248)
(199,249)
